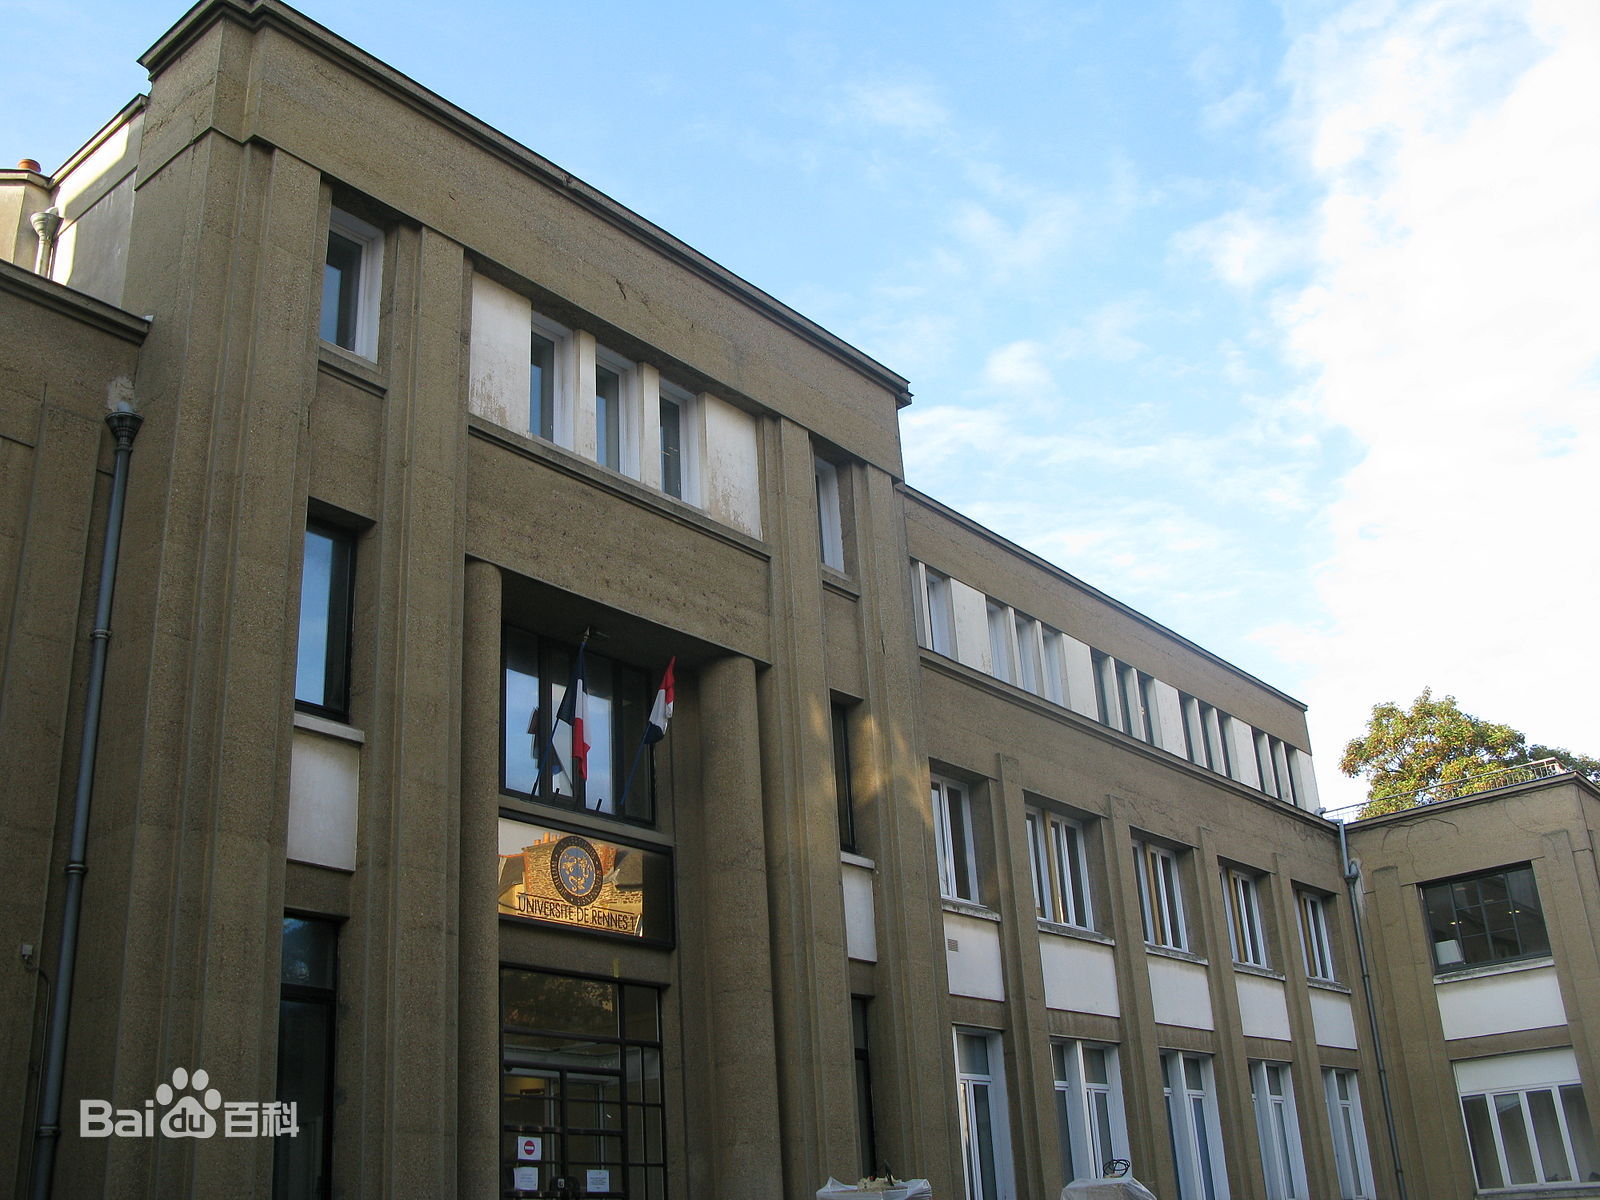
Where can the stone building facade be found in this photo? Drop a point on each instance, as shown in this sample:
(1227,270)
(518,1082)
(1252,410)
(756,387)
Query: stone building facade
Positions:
(947,861)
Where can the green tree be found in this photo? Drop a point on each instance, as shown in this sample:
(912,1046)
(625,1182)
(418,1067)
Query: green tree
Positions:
(1434,742)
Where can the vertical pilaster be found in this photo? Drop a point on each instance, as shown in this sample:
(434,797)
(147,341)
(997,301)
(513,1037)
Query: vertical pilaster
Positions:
(913,1068)
(1141,1058)
(1033,1100)
(742,1074)
(478,1099)
(809,956)
(1569,886)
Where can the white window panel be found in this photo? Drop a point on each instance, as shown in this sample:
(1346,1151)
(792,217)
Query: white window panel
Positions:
(953,840)
(1245,929)
(1195,1130)
(1350,1154)
(985,1129)
(1160,896)
(1314,942)
(1089,1110)
(1059,866)
(1282,1158)
(352,280)
(830,521)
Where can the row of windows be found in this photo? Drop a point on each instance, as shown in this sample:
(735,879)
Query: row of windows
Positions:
(1060,870)
(1092,1126)
(1031,655)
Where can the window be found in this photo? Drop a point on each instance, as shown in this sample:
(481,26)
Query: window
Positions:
(1527,1120)
(1000,634)
(1205,735)
(830,523)
(1089,1114)
(1282,1162)
(1160,896)
(1244,918)
(351,275)
(1493,917)
(537,749)
(841,776)
(1055,676)
(322,655)
(935,610)
(548,402)
(1060,875)
(1349,1134)
(1314,936)
(866,1139)
(302,1166)
(581,1085)
(1030,668)
(1107,693)
(985,1134)
(1192,1125)
(952,832)
(1273,764)
(679,458)
(613,384)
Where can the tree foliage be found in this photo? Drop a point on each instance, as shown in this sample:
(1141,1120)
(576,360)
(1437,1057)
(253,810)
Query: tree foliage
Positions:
(1434,742)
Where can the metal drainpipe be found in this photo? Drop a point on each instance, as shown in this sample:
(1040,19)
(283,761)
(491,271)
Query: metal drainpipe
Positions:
(124,424)
(1352,876)
(46,224)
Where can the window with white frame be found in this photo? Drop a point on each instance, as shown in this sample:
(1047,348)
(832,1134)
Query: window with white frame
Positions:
(1160,896)
(1530,1137)
(1107,692)
(935,609)
(1089,1112)
(352,275)
(1059,865)
(1054,679)
(614,381)
(985,1130)
(1030,648)
(1001,656)
(680,461)
(1350,1155)
(1282,1159)
(1527,1120)
(953,840)
(1273,764)
(549,405)
(1192,1122)
(1314,940)
(830,520)
(1205,735)
(1245,929)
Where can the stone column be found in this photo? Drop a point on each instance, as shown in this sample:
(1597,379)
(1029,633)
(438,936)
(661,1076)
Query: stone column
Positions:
(478,1080)
(741,1075)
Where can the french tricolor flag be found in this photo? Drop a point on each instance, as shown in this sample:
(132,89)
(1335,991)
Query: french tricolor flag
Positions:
(574,711)
(661,711)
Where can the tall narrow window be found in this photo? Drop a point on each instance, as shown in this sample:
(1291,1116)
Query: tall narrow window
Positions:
(678,464)
(302,1165)
(1193,1125)
(952,829)
(351,275)
(1000,634)
(985,1133)
(1060,874)
(1160,896)
(830,520)
(1314,936)
(612,379)
(841,776)
(1282,1162)
(936,610)
(866,1138)
(1030,670)
(1244,918)
(1055,677)
(322,656)
(1107,693)
(1349,1134)
(1089,1114)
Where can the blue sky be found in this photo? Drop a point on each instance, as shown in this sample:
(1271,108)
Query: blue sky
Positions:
(1277,321)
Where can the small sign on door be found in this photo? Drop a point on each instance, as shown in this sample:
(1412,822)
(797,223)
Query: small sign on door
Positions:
(530,1149)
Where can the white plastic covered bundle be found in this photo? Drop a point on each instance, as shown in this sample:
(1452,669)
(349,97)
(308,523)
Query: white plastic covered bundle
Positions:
(900,1189)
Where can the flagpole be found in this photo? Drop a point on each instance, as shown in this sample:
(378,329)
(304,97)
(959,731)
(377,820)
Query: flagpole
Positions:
(664,691)
(628,787)
(550,733)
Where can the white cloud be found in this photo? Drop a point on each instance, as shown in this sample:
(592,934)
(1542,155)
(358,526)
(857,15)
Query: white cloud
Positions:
(906,107)
(1453,326)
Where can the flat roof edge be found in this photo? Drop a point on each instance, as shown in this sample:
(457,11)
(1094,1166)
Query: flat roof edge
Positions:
(1072,580)
(23,283)
(254,14)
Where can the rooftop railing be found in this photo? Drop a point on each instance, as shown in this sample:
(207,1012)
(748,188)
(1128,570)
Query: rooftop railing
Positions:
(1455,789)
